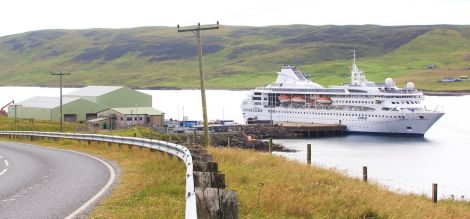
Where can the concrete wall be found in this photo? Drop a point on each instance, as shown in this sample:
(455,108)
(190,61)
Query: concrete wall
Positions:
(125,97)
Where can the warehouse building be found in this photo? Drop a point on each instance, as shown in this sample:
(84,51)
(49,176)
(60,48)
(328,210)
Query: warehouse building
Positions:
(113,96)
(101,107)
(48,108)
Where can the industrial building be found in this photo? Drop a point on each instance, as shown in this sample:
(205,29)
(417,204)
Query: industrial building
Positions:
(102,106)
(130,116)
(113,96)
(48,108)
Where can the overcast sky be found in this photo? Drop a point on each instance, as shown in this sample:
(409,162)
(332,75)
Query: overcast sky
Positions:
(18,16)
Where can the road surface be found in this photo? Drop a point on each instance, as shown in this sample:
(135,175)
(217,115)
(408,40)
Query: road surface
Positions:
(38,182)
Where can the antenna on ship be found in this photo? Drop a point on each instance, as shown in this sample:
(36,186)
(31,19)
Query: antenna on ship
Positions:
(354,56)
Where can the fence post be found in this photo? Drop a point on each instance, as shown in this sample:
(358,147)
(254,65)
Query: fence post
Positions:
(434,193)
(309,153)
(270,148)
(364,173)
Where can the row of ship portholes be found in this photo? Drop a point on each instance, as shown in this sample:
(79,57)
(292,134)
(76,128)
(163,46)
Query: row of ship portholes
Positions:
(338,114)
(355,101)
(406,102)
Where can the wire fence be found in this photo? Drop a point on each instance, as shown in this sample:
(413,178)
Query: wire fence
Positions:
(390,181)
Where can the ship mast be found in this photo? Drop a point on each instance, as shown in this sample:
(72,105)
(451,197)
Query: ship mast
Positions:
(357,76)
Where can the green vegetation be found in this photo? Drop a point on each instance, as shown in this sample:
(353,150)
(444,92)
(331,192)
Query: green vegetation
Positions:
(237,57)
(7,123)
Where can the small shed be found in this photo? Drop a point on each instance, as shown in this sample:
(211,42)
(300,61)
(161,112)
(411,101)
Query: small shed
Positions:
(98,124)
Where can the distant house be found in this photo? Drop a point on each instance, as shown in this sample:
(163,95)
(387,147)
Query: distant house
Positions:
(113,96)
(48,108)
(432,66)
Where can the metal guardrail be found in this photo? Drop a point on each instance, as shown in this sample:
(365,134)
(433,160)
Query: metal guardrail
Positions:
(179,151)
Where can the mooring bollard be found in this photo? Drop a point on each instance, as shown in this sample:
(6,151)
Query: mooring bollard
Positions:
(270,148)
(309,153)
(434,193)
(364,173)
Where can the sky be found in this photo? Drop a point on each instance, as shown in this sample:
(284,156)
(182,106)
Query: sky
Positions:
(17,16)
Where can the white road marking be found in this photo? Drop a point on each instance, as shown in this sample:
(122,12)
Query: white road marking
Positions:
(6,164)
(3,171)
(100,193)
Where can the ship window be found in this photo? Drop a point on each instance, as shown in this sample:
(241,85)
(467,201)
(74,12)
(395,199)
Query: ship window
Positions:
(421,117)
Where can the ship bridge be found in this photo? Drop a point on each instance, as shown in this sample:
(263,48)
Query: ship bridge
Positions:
(291,77)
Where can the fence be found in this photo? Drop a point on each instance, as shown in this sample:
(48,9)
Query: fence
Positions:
(179,151)
(391,181)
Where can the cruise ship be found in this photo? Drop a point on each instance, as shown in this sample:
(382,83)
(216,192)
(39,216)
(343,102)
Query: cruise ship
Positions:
(362,106)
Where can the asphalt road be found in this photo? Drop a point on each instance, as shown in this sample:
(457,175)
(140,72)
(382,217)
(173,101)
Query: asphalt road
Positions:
(37,182)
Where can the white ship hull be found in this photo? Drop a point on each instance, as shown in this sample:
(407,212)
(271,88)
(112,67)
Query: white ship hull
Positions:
(399,123)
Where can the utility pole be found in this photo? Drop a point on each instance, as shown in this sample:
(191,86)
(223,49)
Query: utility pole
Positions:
(197,30)
(16,121)
(60,74)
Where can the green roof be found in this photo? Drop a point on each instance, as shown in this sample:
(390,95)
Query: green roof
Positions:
(139,111)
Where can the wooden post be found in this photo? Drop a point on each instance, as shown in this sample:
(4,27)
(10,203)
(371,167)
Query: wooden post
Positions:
(364,173)
(120,146)
(89,142)
(434,193)
(309,153)
(228,141)
(270,146)
(135,134)
(110,145)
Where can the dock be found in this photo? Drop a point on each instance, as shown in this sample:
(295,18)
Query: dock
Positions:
(281,130)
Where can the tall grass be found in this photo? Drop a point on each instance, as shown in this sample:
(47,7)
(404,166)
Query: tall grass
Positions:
(272,187)
(7,123)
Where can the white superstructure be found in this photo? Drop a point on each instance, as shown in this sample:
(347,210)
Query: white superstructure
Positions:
(361,105)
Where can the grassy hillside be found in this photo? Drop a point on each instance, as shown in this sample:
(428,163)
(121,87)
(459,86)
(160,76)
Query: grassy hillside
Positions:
(236,57)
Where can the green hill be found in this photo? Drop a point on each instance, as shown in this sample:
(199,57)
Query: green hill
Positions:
(236,57)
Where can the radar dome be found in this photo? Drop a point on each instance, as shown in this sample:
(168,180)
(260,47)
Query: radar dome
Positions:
(389,82)
(410,86)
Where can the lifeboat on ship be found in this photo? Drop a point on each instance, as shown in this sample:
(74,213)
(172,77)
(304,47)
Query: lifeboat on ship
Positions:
(284,99)
(298,99)
(324,100)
